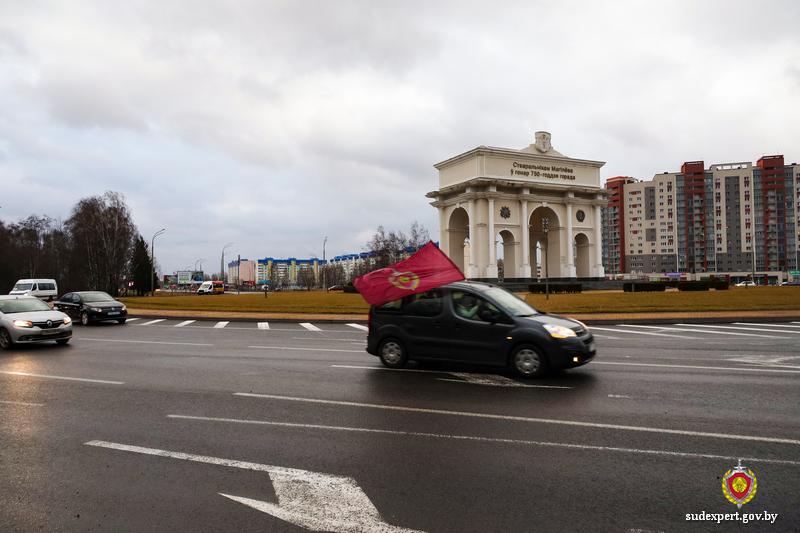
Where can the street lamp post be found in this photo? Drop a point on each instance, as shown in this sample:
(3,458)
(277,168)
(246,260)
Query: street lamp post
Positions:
(222,262)
(153,258)
(546,229)
(324,284)
(201,264)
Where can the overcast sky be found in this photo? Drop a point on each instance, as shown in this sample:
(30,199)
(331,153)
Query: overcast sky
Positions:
(273,124)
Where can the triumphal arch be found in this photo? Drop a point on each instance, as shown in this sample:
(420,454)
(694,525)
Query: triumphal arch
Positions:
(536,207)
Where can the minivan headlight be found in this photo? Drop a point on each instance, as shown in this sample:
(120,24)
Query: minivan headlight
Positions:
(559,332)
(23,323)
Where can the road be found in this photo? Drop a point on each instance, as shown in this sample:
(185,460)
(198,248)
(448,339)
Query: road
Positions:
(167,425)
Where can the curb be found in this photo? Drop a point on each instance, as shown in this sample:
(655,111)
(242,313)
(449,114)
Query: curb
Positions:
(654,320)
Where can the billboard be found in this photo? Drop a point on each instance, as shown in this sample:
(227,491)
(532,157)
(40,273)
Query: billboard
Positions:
(184,277)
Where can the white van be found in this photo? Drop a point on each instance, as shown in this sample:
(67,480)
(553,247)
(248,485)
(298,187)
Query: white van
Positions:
(46,289)
(205,288)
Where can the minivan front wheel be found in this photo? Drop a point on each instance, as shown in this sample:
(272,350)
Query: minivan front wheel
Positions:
(392,353)
(528,361)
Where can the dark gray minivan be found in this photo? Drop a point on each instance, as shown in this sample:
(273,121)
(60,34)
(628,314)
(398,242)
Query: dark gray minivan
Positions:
(479,323)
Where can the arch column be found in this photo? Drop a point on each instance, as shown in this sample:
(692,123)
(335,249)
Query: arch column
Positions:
(491,269)
(525,269)
(598,239)
(472,270)
(570,273)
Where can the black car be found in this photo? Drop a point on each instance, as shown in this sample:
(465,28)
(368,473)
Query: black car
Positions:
(476,323)
(92,306)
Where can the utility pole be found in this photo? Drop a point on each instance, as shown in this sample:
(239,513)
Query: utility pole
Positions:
(324,284)
(239,274)
(153,259)
(222,262)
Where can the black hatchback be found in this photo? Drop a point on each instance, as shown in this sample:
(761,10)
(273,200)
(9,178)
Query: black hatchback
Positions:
(92,306)
(476,323)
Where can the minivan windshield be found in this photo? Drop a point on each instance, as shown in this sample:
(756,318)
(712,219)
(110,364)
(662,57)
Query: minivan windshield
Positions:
(96,297)
(511,303)
(23,286)
(23,305)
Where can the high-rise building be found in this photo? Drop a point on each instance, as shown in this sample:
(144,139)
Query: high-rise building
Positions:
(735,218)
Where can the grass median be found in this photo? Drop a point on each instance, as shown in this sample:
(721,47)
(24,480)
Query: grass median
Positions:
(318,302)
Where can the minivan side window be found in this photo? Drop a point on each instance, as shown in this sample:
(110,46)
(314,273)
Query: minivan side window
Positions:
(473,307)
(425,304)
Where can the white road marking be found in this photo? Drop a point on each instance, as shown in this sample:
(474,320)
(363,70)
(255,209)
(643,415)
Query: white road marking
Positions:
(693,329)
(263,325)
(312,500)
(133,319)
(309,326)
(156,321)
(362,327)
(625,396)
(29,404)
(698,367)
(147,342)
(593,328)
(484,439)
(46,376)
(575,423)
(185,323)
(714,330)
(606,336)
(739,328)
(768,325)
(304,349)
(220,325)
(776,361)
(466,377)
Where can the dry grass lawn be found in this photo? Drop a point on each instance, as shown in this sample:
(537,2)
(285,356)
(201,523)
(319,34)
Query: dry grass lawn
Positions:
(735,299)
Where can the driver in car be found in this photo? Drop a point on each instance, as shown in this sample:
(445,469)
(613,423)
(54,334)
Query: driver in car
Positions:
(467,306)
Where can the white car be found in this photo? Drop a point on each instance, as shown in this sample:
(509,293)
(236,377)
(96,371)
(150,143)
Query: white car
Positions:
(45,289)
(746,284)
(25,319)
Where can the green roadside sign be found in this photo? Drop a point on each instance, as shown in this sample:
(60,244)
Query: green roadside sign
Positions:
(794,273)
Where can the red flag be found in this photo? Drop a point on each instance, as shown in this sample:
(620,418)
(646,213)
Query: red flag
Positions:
(427,269)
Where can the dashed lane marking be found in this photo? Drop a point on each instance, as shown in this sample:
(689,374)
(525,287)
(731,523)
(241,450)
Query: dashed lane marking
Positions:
(768,325)
(696,367)
(27,404)
(220,325)
(46,376)
(465,377)
(593,328)
(146,342)
(359,326)
(484,439)
(574,423)
(185,323)
(156,321)
(304,349)
(309,326)
(263,325)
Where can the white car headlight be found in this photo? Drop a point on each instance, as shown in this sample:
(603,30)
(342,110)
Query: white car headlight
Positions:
(124,308)
(67,320)
(97,309)
(559,332)
(23,323)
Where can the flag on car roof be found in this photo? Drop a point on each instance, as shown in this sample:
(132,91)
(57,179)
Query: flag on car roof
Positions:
(426,269)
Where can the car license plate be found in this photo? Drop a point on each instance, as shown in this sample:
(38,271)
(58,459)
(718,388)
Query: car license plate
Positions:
(591,346)
(113,312)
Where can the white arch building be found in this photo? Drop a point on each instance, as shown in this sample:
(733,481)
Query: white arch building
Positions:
(490,196)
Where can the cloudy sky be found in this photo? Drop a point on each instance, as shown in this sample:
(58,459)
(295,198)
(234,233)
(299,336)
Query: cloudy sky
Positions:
(273,124)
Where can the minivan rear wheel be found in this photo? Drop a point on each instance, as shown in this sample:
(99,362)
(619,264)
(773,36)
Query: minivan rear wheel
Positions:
(528,361)
(392,353)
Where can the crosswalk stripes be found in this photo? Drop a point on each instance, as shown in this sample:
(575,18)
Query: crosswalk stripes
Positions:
(359,326)
(220,325)
(309,326)
(263,325)
(156,321)
(184,323)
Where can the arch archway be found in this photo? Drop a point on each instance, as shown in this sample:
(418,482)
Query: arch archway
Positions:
(551,246)
(458,232)
(508,252)
(582,255)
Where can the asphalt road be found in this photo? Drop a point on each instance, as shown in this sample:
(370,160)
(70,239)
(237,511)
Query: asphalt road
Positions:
(283,427)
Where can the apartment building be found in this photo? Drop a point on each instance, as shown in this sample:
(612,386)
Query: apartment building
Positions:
(731,218)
